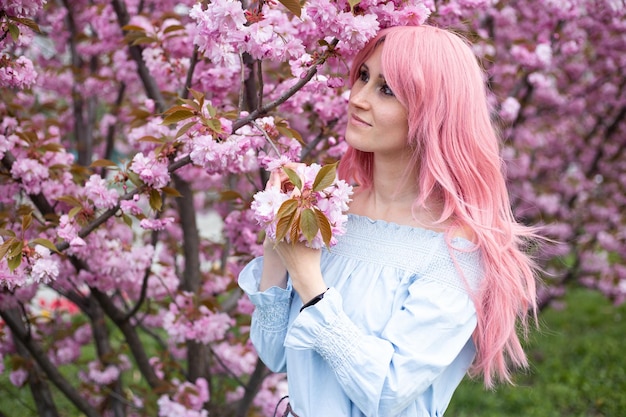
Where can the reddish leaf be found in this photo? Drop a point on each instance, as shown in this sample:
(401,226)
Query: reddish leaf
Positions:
(102,163)
(325,177)
(293,177)
(293,6)
(325,228)
(177,116)
(309,224)
(45,243)
(155,200)
(285,217)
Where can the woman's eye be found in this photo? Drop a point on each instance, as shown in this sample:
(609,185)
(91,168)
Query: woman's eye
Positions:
(364,75)
(386,90)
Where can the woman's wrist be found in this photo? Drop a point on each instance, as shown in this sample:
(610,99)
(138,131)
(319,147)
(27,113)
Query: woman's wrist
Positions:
(313,300)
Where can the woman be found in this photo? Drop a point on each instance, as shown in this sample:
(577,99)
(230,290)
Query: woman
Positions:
(430,279)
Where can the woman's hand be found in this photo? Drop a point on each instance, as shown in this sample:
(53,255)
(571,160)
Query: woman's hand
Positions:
(302,262)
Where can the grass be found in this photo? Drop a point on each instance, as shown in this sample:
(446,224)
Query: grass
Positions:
(578,367)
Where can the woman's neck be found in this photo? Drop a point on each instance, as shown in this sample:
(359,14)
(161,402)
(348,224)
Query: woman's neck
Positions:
(392,196)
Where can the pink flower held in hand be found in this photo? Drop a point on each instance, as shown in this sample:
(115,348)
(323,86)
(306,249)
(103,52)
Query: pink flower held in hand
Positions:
(309,206)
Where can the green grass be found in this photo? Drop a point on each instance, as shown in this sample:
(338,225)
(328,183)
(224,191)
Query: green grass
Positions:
(578,367)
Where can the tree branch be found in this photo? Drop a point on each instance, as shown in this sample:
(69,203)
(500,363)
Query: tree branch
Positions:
(50,369)
(254,384)
(150,85)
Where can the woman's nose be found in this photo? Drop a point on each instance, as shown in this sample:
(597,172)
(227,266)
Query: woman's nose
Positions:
(359,96)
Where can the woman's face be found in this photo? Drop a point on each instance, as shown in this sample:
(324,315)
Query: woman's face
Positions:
(377,122)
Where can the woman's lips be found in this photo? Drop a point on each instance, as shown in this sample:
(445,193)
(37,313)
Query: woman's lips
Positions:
(356,120)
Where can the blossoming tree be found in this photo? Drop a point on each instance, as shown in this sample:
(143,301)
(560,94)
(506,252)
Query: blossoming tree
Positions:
(134,134)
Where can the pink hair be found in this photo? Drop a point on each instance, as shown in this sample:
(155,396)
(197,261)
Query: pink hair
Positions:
(436,77)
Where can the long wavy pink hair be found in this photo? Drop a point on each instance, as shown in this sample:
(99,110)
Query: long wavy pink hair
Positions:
(436,76)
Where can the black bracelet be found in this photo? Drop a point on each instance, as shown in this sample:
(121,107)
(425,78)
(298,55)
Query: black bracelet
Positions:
(313,300)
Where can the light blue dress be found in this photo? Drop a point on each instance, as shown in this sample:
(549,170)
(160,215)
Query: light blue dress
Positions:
(392,335)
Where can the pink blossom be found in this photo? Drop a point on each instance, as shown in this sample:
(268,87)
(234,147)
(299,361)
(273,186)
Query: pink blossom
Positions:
(45,269)
(509,109)
(31,174)
(236,358)
(18,74)
(156,224)
(266,204)
(151,170)
(205,327)
(168,408)
(96,190)
(21,8)
(193,396)
(68,230)
(18,377)
(102,376)
(131,206)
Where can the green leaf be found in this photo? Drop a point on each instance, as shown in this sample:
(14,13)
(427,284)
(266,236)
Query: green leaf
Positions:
(184,129)
(229,195)
(211,110)
(308,224)
(127,220)
(155,200)
(324,226)
(50,147)
(14,30)
(325,177)
(293,177)
(173,28)
(102,163)
(177,116)
(14,262)
(74,211)
(293,6)
(4,248)
(198,96)
(289,132)
(134,178)
(151,139)
(353,3)
(295,229)
(7,232)
(15,248)
(133,28)
(45,243)
(285,218)
(215,125)
(26,222)
(172,192)
(26,22)
(143,40)
(71,200)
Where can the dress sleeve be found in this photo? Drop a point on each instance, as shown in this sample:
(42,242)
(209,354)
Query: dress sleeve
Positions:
(384,374)
(270,317)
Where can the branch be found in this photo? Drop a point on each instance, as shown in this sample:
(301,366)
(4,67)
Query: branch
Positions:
(110,138)
(196,352)
(254,384)
(192,67)
(150,85)
(38,384)
(53,373)
(130,335)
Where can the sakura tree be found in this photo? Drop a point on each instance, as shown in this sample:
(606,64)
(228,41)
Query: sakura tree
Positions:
(134,134)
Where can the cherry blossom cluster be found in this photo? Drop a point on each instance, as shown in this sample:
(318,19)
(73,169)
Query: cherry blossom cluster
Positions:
(309,207)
